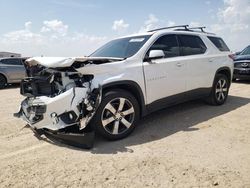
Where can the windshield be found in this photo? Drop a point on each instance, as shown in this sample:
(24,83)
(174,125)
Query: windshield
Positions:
(122,48)
(246,51)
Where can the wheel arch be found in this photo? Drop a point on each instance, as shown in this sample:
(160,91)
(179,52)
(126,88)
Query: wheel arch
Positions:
(130,86)
(6,78)
(226,71)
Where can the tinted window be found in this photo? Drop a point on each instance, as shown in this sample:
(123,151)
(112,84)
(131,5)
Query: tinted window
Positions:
(191,45)
(168,44)
(122,48)
(246,51)
(11,62)
(219,43)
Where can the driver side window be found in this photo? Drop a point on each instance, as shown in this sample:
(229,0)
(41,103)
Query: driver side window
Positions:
(168,44)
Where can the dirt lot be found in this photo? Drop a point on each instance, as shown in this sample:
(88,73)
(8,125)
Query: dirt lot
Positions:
(190,145)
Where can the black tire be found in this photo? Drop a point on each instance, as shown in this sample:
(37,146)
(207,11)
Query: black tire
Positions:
(234,79)
(105,112)
(219,93)
(3,81)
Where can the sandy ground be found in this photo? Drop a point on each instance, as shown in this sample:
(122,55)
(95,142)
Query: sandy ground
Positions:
(189,145)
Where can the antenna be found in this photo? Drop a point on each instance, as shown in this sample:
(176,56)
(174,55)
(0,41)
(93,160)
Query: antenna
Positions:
(163,28)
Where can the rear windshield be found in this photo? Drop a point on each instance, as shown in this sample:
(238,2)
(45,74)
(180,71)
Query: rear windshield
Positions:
(219,43)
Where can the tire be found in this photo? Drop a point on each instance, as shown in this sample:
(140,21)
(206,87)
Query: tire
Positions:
(219,93)
(3,81)
(117,115)
(234,79)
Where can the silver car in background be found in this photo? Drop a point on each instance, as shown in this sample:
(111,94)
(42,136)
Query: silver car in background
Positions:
(12,70)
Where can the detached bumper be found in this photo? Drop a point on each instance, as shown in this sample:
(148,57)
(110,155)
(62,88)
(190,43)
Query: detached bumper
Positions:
(83,140)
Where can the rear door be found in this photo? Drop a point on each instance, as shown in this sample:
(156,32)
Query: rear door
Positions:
(14,69)
(193,51)
(166,76)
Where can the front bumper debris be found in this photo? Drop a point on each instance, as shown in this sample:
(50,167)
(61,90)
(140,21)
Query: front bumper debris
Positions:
(60,102)
(81,140)
(69,135)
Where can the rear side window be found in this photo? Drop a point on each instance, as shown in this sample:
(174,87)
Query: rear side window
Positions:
(191,45)
(168,44)
(11,62)
(219,43)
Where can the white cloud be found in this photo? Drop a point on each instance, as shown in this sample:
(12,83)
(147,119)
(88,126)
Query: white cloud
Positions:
(28,25)
(23,35)
(234,23)
(54,43)
(119,25)
(151,23)
(55,26)
(195,24)
(171,23)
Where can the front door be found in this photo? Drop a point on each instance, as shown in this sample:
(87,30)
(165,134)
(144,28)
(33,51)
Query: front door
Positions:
(165,77)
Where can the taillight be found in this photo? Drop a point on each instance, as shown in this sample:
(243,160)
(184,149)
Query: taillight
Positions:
(232,56)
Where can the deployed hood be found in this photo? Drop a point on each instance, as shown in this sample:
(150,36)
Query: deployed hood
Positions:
(60,62)
(242,57)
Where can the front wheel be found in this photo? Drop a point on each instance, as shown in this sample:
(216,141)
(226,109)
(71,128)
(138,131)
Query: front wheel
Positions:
(219,93)
(117,115)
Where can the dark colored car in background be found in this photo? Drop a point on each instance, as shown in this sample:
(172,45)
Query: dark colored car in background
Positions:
(242,64)
(12,70)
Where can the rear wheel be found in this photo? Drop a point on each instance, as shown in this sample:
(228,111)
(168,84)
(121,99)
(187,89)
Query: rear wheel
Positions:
(117,115)
(3,82)
(219,93)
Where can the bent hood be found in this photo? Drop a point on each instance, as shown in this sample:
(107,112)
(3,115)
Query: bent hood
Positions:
(60,62)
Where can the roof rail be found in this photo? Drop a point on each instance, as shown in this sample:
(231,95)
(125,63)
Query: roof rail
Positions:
(177,26)
(201,28)
(184,28)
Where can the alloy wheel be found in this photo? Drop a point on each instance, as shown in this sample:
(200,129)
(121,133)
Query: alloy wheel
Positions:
(117,116)
(221,90)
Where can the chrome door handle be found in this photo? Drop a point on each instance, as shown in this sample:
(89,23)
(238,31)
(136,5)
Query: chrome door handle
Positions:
(179,64)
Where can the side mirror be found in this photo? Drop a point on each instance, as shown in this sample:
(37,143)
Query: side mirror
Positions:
(156,54)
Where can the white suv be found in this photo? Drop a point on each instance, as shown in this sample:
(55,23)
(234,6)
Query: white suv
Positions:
(126,79)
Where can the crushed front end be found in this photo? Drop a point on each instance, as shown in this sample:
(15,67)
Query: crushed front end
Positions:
(59,103)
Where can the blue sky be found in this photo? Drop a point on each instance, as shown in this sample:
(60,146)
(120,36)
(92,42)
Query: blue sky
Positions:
(93,16)
(56,27)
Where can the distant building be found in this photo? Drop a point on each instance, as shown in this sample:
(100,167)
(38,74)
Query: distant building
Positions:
(9,54)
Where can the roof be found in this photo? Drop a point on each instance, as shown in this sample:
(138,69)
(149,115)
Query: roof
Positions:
(182,29)
(11,53)
(14,58)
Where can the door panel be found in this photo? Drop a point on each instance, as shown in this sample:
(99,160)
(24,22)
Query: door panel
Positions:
(165,76)
(194,52)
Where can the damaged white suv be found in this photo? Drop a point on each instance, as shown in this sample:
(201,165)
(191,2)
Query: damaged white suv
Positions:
(129,77)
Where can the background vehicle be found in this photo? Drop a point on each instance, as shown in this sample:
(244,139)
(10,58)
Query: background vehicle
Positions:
(12,70)
(124,80)
(242,65)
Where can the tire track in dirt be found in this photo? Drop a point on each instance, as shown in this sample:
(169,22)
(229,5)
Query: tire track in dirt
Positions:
(25,150)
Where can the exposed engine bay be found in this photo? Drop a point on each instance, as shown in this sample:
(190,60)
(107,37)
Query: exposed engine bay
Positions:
(59,98)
